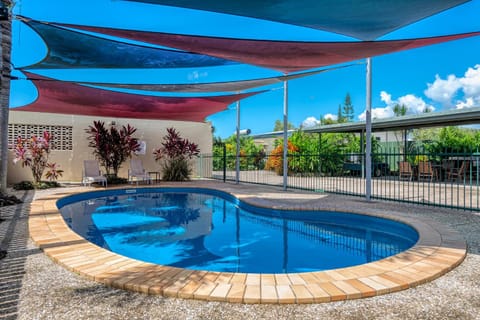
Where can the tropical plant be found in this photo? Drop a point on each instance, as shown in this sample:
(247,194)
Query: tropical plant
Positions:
(251,155)
(113,146)
(400,110)
(448,140)
(345,113)
(307,154)
(176,153)
(33,152)
(278,126)
(275,160)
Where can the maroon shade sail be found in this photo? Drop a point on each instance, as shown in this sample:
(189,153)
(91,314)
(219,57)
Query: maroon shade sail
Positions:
(361,19)
(71,98)
(284,56)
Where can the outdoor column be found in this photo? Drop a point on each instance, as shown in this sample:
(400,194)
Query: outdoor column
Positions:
(285,134)
(237,157)
(319,154)
(362,151)
(368,130)
(5,47)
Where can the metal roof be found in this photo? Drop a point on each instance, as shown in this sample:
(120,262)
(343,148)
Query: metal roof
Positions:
(433,119)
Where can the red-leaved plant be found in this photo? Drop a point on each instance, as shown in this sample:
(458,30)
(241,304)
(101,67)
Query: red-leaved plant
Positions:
(33,152)
(176,153)
(112,146)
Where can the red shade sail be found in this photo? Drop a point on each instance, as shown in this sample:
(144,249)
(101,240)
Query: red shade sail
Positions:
(71,98)
(285,56)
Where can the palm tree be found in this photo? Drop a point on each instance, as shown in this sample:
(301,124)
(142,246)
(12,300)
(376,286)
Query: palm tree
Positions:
(5,45)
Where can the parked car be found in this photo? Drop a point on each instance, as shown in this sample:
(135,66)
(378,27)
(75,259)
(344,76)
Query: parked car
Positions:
(378,168)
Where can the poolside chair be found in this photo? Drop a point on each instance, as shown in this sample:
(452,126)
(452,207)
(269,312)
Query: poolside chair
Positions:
(458,173)
(92,173)
(405,170)
(425,170)
(137,172)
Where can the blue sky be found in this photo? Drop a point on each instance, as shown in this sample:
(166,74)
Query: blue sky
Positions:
(441,77)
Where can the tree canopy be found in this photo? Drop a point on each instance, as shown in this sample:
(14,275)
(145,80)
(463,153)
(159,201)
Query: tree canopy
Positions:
(278,126)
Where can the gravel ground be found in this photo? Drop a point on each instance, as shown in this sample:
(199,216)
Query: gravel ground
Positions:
(33,287)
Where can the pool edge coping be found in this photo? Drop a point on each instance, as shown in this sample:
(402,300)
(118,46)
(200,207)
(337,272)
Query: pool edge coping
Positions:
(438,250)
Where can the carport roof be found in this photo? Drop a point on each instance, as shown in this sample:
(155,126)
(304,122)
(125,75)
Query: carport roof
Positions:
(437,119)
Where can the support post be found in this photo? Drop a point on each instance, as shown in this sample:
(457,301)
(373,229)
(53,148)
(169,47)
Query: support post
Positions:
(224,162)
(237,156)
(368,135)
(362,152)
(285,134)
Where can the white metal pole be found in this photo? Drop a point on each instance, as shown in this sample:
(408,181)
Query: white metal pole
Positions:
(237,157)
(285,134)
(368,130)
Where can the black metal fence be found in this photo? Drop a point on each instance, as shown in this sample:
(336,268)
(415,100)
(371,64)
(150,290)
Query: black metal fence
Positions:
(446,179)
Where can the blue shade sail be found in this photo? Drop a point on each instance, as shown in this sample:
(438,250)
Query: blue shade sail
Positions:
(361,19)
(72,49)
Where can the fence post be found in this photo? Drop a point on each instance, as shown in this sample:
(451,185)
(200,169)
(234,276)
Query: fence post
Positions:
(201,166)
(224,162)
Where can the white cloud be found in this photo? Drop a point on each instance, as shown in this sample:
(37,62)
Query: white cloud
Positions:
(310,122)
(471,82)
(378,113)
(386,97)
(330,116)
(413,103)
(445,91)
(471,88)
(468,103)
(452,92)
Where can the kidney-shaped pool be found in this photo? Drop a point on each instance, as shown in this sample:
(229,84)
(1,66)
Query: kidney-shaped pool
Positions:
(205,229)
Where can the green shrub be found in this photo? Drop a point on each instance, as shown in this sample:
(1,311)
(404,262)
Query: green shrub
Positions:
(113,179)
(29,185)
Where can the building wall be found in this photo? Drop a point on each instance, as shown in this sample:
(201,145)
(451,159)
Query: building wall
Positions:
(71,161)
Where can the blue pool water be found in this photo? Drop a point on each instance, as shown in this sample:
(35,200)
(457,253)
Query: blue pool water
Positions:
(204,229)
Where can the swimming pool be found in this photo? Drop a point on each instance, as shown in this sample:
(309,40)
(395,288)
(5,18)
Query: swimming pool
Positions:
(205,229)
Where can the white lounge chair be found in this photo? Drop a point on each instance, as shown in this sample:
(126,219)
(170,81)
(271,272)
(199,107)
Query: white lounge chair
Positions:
(92,173)
(137,172)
